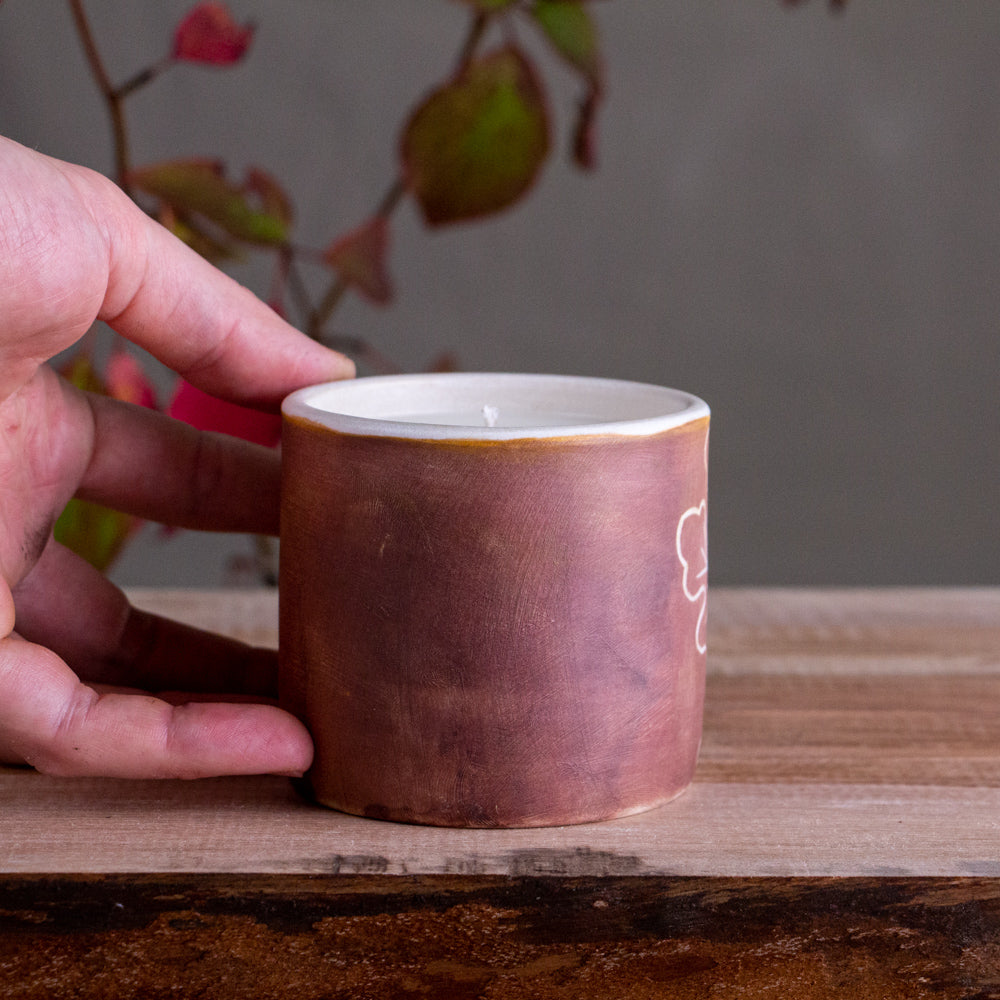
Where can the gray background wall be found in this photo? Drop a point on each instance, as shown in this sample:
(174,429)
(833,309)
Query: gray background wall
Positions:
(796,216)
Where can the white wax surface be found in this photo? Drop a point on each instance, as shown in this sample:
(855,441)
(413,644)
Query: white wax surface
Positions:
(486,406)
(506,416)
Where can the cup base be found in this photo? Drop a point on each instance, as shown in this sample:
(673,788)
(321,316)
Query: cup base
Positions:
(305,788)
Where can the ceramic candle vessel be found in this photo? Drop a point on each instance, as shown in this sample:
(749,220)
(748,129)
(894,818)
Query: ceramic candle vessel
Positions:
(493,595)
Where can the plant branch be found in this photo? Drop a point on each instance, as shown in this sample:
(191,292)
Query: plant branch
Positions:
(364,352)
(477,29)
(143,77)
(328,305)
(322,314)
(391,198)
(297,289)
(112,97)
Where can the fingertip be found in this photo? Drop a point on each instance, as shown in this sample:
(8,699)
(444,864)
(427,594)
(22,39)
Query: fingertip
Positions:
(296,749)
(341,366)
(216,739)
(330,365)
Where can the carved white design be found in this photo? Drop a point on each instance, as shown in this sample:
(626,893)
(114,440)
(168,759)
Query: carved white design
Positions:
(692,551)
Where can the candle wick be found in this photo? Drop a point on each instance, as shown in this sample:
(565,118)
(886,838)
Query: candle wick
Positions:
(490,415)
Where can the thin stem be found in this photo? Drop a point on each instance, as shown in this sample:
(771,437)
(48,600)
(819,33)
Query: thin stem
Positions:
(297,290)
(279,279)
(147,75)
(477,29)
(391,198)
(328,305)
(364,352)
(112,97)
(322,314)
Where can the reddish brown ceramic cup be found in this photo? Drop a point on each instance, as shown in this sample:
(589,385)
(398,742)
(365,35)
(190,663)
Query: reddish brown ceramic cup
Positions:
(499,625)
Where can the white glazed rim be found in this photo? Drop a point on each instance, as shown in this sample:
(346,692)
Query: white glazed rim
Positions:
(602,406)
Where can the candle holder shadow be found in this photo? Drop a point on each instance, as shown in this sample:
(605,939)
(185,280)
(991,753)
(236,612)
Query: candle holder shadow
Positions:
(495,624)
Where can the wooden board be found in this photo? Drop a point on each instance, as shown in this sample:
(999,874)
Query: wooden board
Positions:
(846,734)
(842,838)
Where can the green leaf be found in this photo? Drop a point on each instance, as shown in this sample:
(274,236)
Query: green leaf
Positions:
(567,24)
(80,371)
(98,533)
(476,145)
(200,187)
(190,231)
(94,532)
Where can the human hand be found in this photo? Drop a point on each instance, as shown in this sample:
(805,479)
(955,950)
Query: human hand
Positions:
(76,660)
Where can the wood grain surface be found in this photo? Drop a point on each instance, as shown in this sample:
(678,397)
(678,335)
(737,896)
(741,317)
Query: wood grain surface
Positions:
(841,838)
(846,734)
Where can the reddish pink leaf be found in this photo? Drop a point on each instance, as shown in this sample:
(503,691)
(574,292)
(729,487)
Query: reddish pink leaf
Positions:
(569,28)
(447,361)
(277,304)
(359,257)
(273,199)
(208,413)
(126,380)
(208,34)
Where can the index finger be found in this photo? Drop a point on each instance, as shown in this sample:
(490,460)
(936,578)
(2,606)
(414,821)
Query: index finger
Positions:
(77,248)
(200,322)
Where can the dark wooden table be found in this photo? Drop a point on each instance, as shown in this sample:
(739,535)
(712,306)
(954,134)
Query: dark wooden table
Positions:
(842,839)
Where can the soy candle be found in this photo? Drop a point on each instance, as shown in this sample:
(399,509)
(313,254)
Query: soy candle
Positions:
(493,595)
